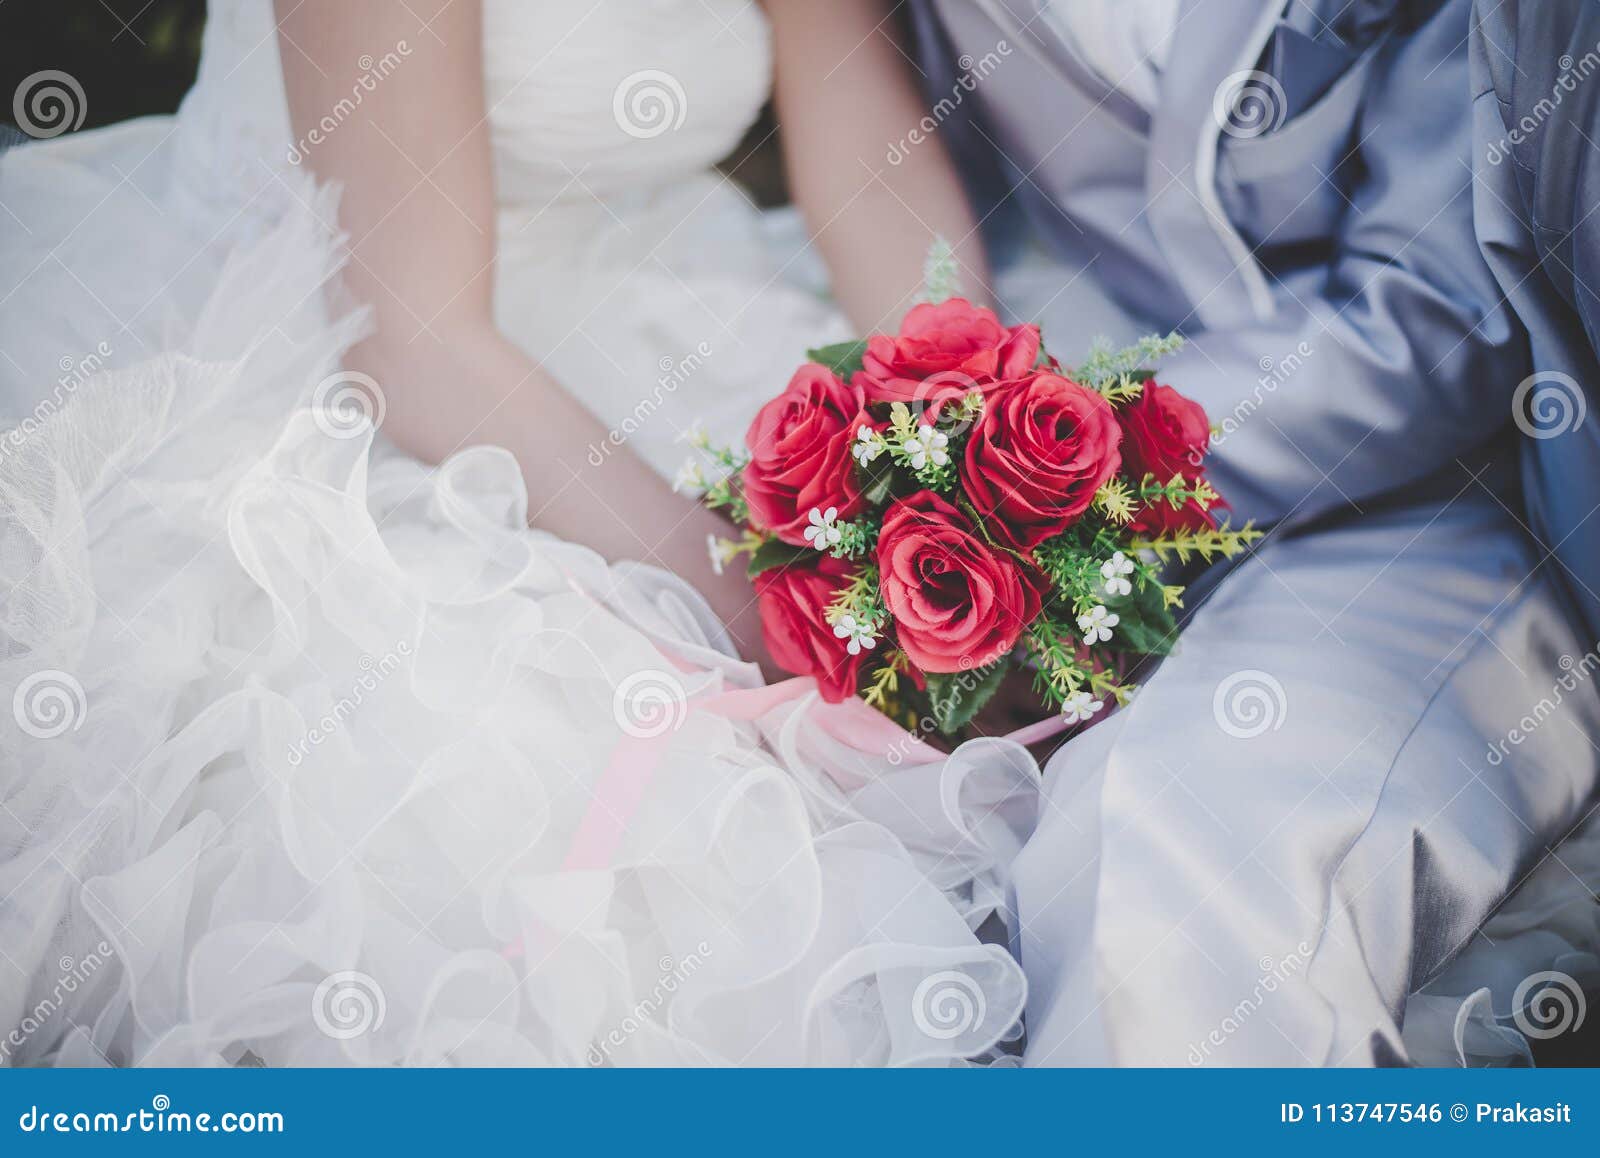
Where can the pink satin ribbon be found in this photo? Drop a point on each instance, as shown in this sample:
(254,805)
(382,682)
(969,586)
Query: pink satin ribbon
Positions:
(634,760)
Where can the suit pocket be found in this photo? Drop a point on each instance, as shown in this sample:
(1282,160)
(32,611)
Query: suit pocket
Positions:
(1291,184)
(1305,68)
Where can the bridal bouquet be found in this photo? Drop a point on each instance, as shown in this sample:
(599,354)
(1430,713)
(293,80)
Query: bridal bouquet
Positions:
(924,512)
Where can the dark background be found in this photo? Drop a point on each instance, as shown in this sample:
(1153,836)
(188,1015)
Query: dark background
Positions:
(132,57)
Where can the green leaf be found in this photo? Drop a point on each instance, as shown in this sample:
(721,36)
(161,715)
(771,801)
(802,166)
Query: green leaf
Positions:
(958,696)
(843,358)
(776,553)
(1147,625)
(940,273)
(878,488)
(1105,364)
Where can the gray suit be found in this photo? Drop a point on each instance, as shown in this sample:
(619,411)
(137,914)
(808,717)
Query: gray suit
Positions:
(1305,813)
(1537,157)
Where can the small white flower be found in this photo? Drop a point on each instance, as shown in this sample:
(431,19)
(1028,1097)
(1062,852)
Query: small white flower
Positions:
(714,548)
(861,636)
(690,479)
(1115,572)
(925,446)
(868,446)
(824,530)
(1080,707)
(1096,624)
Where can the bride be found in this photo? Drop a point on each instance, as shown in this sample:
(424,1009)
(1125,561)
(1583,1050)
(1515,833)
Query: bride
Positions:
(318,753)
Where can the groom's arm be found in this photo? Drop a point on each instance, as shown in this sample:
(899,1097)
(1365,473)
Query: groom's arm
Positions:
(874,183)
(1408,357)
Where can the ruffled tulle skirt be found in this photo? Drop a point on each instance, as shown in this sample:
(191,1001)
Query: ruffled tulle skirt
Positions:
(318,756)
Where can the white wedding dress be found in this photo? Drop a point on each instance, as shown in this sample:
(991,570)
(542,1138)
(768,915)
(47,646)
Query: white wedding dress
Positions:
(317,756)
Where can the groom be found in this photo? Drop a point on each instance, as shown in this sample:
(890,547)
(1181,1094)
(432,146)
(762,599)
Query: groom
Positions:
(1312,806)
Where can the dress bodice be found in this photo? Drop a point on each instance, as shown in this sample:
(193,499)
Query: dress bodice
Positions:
(612,94)
(586,98)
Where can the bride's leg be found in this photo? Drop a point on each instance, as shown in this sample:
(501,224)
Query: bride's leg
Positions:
(1314,803)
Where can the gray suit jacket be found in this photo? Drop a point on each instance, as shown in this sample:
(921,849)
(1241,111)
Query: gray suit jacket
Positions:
(1537,156)
(1299,204)
(1317,243)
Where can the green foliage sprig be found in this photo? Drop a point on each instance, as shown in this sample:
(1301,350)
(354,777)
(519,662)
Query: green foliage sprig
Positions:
(1120,373)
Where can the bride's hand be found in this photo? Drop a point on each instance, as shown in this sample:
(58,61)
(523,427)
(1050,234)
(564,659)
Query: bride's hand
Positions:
(413,160)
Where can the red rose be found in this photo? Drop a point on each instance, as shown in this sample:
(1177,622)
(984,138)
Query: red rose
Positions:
(957,602)
(945,350)
(1037,455)
(800,454)
(1167,434)
(793,603)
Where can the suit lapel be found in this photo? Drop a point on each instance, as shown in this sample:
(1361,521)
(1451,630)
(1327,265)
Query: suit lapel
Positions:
(1215,42)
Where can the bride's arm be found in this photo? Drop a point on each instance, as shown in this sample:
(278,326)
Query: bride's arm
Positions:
(875,190)
(418,203)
